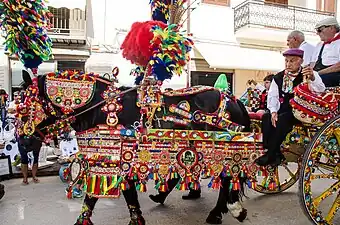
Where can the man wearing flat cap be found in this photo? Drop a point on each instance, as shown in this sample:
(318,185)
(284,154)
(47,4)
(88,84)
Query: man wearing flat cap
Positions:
(280,121)
(326,57)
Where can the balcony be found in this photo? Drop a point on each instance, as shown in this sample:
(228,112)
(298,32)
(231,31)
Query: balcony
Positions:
(68,26)
(255,19)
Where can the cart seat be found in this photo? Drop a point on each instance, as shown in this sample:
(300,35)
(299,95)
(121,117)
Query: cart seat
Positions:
(256,116)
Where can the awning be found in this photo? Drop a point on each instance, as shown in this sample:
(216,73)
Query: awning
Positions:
(70,4)
(221,56)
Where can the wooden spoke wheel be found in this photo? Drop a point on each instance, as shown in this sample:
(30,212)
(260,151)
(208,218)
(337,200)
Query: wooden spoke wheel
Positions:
(276,180)
(319,185)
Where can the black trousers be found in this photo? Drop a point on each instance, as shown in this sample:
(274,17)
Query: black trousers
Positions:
(331,79)
(273,137)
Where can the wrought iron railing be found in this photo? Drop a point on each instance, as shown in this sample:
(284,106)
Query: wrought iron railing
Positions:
(68,22)
(254,12)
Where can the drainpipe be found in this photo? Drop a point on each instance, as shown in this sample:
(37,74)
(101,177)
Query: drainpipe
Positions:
(188,33)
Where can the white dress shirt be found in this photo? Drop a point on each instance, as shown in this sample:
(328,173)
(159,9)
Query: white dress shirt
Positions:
(273,99)
(308,52)
(330,54)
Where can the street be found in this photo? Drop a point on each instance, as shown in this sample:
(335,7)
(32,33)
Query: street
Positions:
(46,204)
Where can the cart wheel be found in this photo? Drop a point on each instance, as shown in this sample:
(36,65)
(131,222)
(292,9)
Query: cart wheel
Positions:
(320,176)
(279,179)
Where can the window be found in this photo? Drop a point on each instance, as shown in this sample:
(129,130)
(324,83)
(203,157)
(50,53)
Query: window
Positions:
(326,5)
(60,19)
(209,78)
(71,65)
(217,2)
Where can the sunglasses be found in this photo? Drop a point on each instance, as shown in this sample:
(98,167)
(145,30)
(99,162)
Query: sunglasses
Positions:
(320,29)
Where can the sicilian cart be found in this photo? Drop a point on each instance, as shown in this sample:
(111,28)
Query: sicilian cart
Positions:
(127,136)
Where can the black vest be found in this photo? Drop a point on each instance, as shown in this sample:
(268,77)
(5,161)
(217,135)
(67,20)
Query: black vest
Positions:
(318,64)
(286,97)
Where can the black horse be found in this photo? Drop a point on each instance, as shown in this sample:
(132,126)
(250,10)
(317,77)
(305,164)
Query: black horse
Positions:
(92,116)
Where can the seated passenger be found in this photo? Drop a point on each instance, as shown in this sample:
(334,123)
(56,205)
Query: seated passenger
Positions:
(280,121)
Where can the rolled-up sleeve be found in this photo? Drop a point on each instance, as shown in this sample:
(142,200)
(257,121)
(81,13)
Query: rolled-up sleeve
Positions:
(273,100)
(317,85)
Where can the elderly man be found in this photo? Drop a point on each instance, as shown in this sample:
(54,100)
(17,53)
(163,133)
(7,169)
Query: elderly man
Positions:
(296,39)
(280,121)
(327,53)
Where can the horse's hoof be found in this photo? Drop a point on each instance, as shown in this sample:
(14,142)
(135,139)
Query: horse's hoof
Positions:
(138,221)
(157,199)
(242,216)
(2,193)
(214,219)
(136,217)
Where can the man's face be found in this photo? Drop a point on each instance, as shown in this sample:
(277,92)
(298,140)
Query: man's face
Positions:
(326,32)
(267,84)
(292,42)
(293,63)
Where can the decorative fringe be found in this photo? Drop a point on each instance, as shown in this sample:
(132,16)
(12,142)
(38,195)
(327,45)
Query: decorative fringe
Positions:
(141,187)
(69,192)
(215,183)
(235,184)
(251,184)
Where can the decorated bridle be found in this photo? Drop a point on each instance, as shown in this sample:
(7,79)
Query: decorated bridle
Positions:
(32,108)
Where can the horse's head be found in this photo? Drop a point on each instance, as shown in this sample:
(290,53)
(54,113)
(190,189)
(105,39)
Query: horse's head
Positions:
(33,113)
(55,101)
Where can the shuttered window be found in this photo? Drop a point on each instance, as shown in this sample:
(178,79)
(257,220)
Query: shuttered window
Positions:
(326,5)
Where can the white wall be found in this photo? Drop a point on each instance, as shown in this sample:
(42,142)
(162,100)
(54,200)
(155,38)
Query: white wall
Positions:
(213,22)
(300,3)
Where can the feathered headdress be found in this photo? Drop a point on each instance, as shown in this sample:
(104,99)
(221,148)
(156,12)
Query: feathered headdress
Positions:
(24,23)
(157,47)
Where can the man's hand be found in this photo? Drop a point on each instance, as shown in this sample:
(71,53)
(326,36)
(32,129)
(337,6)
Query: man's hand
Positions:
(274,118)
(308,73)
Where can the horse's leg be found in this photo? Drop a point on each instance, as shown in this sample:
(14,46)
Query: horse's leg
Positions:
(234,206)
(131,198)
(160,198)
(193,194)
(86,211)
(215,215)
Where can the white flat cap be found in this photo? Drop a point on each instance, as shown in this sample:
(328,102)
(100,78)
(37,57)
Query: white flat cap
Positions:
(331,21)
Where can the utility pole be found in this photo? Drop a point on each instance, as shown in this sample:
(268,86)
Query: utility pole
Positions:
(188,33)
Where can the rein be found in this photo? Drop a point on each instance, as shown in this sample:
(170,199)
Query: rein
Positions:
(92,107)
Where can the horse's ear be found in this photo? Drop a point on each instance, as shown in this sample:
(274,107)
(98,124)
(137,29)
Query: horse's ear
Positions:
(26,78)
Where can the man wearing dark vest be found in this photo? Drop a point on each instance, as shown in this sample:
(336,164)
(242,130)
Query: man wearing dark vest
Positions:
(326,58)
(280,121)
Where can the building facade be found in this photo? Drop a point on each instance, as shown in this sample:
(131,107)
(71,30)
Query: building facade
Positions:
(245,39)
(69,36)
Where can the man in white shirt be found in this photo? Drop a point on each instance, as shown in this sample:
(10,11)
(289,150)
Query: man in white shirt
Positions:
(280,121)
(296,39)
(326,58)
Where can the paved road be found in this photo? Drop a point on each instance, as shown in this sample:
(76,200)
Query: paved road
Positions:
(46,204)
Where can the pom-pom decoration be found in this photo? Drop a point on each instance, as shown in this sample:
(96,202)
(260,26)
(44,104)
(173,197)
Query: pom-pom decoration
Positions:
(170,52)
(138,72)
(168,11)
(160,10)
(24,23)
(136,46)
(222,83)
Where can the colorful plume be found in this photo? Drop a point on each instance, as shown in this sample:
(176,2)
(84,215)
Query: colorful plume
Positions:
(168,11)
(24,23)
(160,10)
(170,52)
